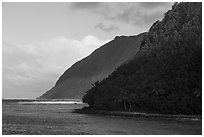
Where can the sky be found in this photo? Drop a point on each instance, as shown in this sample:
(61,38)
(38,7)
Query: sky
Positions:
(41,40)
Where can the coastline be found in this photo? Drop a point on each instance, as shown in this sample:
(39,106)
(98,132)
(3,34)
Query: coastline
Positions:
(87,110)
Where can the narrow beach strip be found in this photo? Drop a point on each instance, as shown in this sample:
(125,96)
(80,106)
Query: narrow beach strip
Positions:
(138,114)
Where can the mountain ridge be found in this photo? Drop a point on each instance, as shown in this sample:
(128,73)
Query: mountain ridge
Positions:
(99,64)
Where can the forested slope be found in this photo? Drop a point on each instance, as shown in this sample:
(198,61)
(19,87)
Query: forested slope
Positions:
(165,76)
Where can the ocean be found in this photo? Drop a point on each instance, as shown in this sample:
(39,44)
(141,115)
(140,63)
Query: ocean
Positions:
(56,117)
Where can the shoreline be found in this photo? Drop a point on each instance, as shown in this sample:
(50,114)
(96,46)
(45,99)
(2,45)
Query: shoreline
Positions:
(137,114)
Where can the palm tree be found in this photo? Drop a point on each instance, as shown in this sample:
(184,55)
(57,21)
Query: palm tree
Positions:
(158,90)
(197,93)
(95,84)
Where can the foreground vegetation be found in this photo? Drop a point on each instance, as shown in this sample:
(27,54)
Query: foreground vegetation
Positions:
(166,75)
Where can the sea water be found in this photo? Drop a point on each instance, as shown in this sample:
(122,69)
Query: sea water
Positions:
(47,117)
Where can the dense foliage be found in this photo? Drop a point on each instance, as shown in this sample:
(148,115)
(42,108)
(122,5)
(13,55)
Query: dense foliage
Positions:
(166,75)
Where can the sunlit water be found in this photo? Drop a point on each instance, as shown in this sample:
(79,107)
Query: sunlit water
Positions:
(56,117)
(50,102)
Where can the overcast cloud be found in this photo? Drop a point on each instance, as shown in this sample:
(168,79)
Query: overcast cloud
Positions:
(139,14)
(34,64)
(106,28)
(42,40)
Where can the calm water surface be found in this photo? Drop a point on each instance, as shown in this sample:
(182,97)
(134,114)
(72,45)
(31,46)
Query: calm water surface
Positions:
(18,118)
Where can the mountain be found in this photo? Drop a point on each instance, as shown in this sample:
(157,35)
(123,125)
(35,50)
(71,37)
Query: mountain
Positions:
(104,60)
(165,76)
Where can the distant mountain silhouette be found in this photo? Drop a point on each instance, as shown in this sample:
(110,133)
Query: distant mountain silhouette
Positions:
(103,61)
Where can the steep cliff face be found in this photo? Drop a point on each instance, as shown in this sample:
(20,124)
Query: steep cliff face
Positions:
(78,78)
